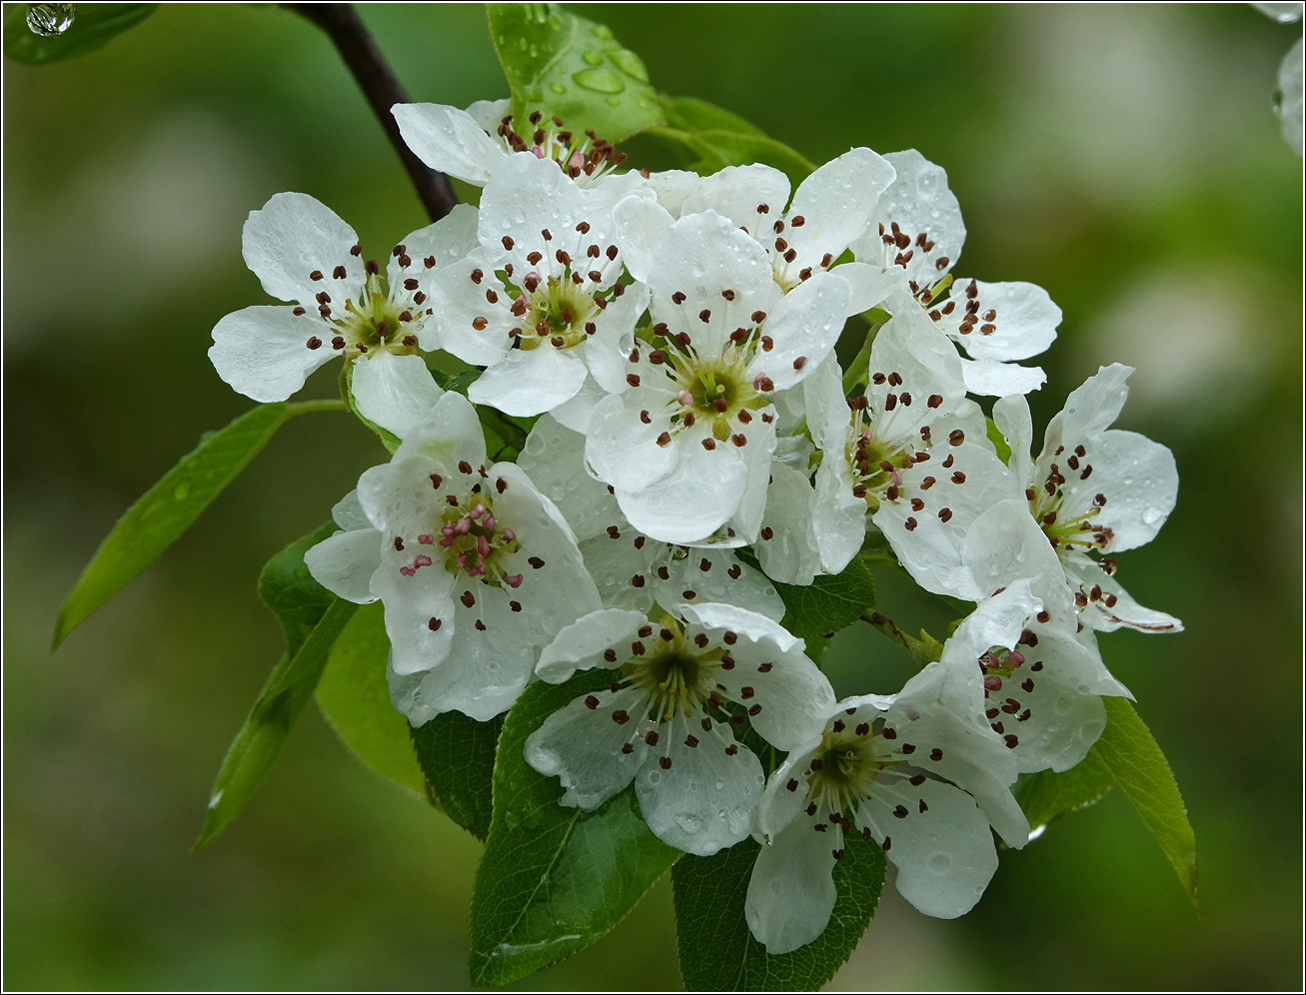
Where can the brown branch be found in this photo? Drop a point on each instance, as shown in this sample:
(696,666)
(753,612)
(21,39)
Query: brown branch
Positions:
(342,24)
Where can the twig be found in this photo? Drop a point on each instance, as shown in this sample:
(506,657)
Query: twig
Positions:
(924,650)
(342,24)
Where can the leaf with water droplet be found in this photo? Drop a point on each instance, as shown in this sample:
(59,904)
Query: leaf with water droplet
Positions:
(93,26)
(553,879)
(559,72)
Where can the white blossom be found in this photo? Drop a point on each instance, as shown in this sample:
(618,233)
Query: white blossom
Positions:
(301,251)
(539,303)
(667,722)
(917,771)
(1094,489)
(687,446)
(916,238)
(912,453)
(477,570)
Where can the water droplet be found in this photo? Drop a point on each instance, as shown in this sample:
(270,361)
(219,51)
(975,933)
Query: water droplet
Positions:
(594,58)
(599,80)
(557,87)
(612,101)
(1151,515)
(629,63)
(654,777)
(50,19)
(181,492)
(601,31)
(720,786)
(940,863)
(689,823)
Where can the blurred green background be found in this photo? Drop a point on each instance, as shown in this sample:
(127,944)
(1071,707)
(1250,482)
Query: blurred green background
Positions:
(1125,158)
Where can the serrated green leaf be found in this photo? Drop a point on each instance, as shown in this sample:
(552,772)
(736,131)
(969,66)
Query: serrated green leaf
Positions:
(553,879)
(271,720)
(999,441)
(354,697)
(290,592)
(95,25)
(713,138)
(456,753)
(568,67)
(717,951)
(1047,795)
(829,603)
(1128,749)
(167,509)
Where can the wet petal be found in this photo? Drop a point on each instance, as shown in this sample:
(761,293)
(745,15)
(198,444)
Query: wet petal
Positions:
(266,353)
(395,392)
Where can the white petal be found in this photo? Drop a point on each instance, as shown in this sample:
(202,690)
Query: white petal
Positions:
(945,855)
(919,202)
(294,236)
(262,352)
(576,413)
(870,284)
(826,410)
(1024,325)
(795,697)
(582,746)
(395,392)
(751,589)
(622,449)
(345,562)
(836,203)
(700,494)
(790,555)
(348,513)
(1138,478)
(459,306)
(989,378)
(749,624)
(449,140)
(736,193)
(1005,545)
(791,892)
(451,434)
(419,612)
(530,381)
(489,114)
(580,645)
(838,517)
(524,198)
(449,240)
(671,187)
(607,351)
(1124,612)
(554,459)
(640,225)
(805,324)
(1090,408)
(705,799)
(1011,415)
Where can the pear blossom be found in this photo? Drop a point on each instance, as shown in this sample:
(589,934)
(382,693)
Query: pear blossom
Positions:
(540,303)
(687,446)
(1043,695)
(919,772)
(664,723)
(302,251)
(629,569)
(1094,489)
(471,144)
(830,209)
(915,239)
(911,453)
(476,569)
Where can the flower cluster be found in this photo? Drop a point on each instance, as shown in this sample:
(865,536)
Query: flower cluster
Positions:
(694,443)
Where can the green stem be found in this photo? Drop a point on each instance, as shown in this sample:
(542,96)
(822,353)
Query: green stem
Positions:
(925,650)
(306,407)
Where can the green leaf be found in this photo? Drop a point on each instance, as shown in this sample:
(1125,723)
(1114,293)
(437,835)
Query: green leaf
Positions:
(1129,751)
(275,713)
(712,139)
(290,592)
(167,509)
(571,68)
(553,879)
(829,603)
(95,25)
(354,697)
(717,951)
(457,755)
(1047,795)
